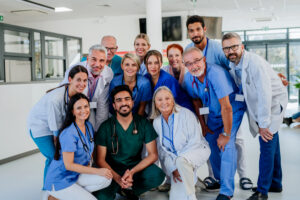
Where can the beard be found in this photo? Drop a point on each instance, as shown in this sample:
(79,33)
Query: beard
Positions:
(126,113)
(197,39)
(234,59)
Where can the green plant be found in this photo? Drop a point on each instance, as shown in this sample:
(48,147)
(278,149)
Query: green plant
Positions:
(297,84)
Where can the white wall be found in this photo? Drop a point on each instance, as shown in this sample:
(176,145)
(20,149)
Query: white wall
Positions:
(16,101)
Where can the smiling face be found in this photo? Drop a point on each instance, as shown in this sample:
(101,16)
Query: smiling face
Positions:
(96,61)
(164,102)
(78,82)
(196,32)
(111,46)
(175,58)
(123,103)
(233,49)
(195,63)
(153,65)
(141,47)
(130,67)
(81,110)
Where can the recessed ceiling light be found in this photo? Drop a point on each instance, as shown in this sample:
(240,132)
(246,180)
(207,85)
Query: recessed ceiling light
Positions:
(62,9)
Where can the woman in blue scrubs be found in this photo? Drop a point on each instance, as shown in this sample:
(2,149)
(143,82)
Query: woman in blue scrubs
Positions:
(141,46)
(159,77)
(46,117)
(138,84)
(70,175)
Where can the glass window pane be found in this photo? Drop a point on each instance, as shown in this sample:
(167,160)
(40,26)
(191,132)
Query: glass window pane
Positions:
(73,46)
(54,68)
(54,46)
(259,50)
(295,33)
(294,52)
(17,70)
(267,34)
(277,58)
(37,54)
(16,42)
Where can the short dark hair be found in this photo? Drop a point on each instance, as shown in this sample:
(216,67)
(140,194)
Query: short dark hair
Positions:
(193,19)
(118,89)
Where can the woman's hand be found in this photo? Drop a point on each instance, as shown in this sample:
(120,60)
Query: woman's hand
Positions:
(176,176)
(105,172)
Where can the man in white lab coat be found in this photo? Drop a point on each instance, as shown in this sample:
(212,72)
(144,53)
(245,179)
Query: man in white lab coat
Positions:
(99,77)
(266,99)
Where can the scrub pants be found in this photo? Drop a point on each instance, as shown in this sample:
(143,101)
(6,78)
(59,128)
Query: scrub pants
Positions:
(270,174)
(143,181)
(224,162)
(47,148)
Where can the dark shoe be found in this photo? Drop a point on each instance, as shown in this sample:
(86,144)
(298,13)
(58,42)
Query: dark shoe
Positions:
(129,194)
(246,183)
(288,121)
(275,190)
(223,197)
(258,196)
(212,185)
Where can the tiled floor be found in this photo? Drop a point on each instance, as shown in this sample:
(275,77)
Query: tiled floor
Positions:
(21,179)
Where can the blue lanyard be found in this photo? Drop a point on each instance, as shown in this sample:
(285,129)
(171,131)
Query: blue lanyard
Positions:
(91,91)
(171,140)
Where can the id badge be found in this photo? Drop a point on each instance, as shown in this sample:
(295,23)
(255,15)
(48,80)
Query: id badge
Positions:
(239,97)
(93,105)
(204,111)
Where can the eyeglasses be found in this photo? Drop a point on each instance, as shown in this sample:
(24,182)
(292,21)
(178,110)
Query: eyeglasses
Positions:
(196,62)
(113,49)
(233,48)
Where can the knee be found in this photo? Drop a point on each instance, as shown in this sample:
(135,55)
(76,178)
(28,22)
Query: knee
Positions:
(157,176)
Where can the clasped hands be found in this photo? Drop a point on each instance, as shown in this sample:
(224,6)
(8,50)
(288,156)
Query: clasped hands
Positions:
(126,180)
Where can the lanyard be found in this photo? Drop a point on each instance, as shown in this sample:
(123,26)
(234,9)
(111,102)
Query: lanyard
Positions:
(92,90)
(84,144)
(171,140)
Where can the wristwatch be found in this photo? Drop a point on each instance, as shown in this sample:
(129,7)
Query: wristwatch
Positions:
(225,134)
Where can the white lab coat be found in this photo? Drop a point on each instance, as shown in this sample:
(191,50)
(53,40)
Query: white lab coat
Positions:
(188,141)
(99,114)
(264,93)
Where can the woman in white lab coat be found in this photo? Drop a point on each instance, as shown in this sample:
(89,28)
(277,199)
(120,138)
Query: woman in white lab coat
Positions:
(47,115)
(181,146)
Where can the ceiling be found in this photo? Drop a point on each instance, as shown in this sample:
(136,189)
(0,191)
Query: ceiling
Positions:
(17,11)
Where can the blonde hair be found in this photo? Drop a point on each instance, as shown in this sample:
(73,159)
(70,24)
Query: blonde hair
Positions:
(142,36)
(133,57)
(154,111)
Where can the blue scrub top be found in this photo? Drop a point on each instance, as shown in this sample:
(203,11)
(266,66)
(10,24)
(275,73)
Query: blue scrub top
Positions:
(141,92)
(115,65)
(57,175)
(180,96)
(143,69)
(217,84)
(213,53)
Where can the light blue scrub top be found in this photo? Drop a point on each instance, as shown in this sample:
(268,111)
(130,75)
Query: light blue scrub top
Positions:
(214,53)
(217,84)
(168,134)
(48,114)
(143,69)
(115,65)
(57,175)
(180,96)
(141,92)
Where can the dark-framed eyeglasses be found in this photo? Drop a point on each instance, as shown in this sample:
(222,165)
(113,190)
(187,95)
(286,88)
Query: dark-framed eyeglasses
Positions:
(113,49)
(196,62)
(233,48)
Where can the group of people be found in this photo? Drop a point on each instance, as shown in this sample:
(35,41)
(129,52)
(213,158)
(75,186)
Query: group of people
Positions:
(126,125)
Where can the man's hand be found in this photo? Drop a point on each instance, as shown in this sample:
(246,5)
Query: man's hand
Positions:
(128,176)
(222,141)
(122,183)
(283,79)
(206,130)
(176,176)
(265,134)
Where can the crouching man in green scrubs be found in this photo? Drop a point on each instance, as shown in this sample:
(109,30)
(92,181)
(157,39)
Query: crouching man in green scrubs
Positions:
(120,142)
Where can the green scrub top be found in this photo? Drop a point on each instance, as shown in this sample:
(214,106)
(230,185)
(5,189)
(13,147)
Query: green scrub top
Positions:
(130,145)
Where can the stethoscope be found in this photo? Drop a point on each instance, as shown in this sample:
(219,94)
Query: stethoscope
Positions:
(66,97)
(114,136)
(206,90)
(85,146)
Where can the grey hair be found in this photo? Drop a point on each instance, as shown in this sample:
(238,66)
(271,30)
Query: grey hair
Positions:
(154,111)
(231,35)
(189,50)
(97,47)
(108,36)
